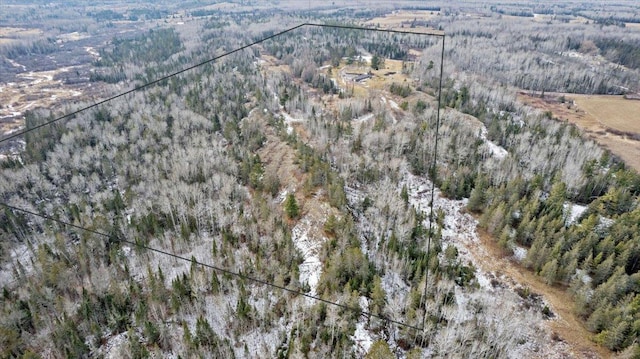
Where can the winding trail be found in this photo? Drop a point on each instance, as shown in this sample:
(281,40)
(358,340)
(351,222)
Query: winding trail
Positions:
(566,324)
(478,246)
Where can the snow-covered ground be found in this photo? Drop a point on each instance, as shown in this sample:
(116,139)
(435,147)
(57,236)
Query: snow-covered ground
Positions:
(572,212)
(19,254)
(362,338)
(496,151)
(459,227)
(289,121)
(311,267)
(460,230)
(503,311)
(519,253)
(396,290)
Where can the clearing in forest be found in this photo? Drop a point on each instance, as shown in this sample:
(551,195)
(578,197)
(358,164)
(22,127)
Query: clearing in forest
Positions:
(10,35)
(390,72)
(402,18)
(612,121)
(615,112)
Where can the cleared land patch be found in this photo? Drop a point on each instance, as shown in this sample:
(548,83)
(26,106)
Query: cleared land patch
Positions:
(35,90)
(413,21)
(11,35)
(632,25)
(615,112)
(401,18)
(600,117)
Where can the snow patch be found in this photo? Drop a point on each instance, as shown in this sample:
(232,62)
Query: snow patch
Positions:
(584,276)
(519,253)
(363,118)
(282,196)
(14,130)
(362,339)
(462,302)
(15,64)
(572,212)
(311,267)
(289,121)
(92,52)
(19,254)
(115,346)
(483,280)
(459,228)
(496,150)
(396,291)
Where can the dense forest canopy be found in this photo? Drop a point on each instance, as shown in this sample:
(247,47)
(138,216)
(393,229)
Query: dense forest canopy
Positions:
(307,162)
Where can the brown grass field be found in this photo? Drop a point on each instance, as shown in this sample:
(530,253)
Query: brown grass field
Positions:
(9,35)
(614,112)
(397,18)
(632,25)
(612,121)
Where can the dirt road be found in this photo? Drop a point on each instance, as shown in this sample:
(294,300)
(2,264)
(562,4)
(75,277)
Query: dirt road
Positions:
(566,325)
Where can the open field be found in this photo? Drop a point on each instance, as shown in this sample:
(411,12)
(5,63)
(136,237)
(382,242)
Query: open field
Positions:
(11,35)
(611,121)
(403,19)
(44,89)
(390,73)
(632,25)
(615,112)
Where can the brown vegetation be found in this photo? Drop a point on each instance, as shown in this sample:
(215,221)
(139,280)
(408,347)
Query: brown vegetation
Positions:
(609,120)
(37,90)
(567,325)
(11,35)
(402,18)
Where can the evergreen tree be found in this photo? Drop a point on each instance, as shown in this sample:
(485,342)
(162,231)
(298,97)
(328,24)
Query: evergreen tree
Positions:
(291,206)
(377,62)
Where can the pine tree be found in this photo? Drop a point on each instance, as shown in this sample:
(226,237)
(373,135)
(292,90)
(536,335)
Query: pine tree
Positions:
(550,271)
(377,62)
(380,350)
(378,296)
(291,207)
(476,199)
(404,194)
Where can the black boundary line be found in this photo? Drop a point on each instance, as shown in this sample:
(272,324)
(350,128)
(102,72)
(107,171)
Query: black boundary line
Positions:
(435,33)
(210,266)
(149,84)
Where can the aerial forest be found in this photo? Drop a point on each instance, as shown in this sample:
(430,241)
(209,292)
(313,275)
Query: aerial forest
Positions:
(288,200)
